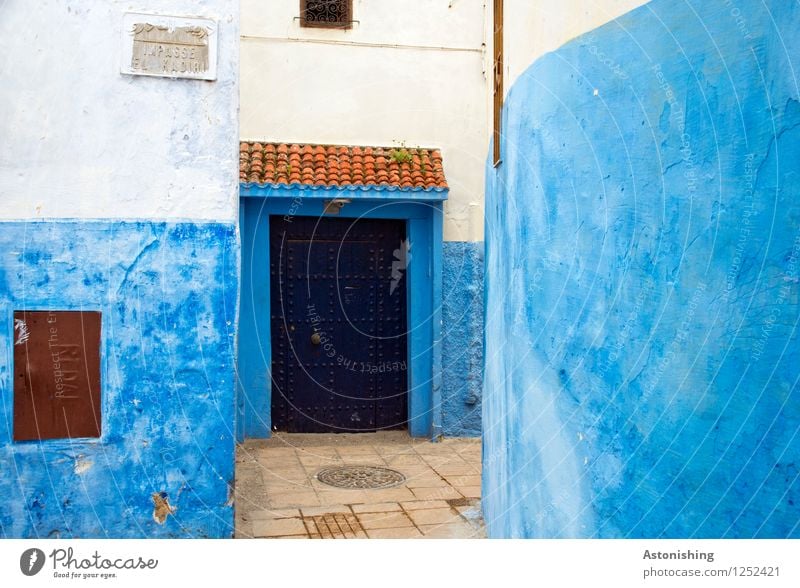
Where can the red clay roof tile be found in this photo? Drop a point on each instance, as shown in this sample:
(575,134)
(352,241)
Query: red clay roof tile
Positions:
(340,165)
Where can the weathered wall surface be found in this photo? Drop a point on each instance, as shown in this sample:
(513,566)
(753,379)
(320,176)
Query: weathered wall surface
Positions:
(531,29)
(80,140)
(643,282)
(462,338)
(92,164)
(167,378)
(413,74)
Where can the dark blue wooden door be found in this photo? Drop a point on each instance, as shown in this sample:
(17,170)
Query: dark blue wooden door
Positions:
(338,318)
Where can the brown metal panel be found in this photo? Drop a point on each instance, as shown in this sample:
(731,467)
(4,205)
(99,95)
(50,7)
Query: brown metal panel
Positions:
(56,374)
(498,79)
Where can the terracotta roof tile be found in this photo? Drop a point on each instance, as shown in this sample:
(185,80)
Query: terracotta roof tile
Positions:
(340,166)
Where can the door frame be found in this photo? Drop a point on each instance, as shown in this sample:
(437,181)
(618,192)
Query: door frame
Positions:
(422,211)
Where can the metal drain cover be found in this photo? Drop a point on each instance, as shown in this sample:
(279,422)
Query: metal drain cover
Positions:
(360,477)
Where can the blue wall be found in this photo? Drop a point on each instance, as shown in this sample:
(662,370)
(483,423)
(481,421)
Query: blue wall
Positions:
(462,338)
(422,209)
(643,292)
(168,294)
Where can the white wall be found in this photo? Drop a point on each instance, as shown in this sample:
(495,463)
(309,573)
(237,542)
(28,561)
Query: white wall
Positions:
(81,140)
(532,29)
(410,72)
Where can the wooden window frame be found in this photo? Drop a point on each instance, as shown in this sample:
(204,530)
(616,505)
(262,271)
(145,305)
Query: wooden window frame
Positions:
(497,82)
(346,24)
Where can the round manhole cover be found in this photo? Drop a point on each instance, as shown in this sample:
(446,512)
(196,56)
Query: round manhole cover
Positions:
(360,477)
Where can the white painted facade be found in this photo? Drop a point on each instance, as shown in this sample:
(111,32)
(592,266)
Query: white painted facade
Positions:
(532,29)
(418,73)
(413,73)
(82,140)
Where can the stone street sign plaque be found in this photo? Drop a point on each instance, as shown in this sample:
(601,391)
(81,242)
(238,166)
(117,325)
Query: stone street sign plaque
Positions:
(169,46)
(56,374)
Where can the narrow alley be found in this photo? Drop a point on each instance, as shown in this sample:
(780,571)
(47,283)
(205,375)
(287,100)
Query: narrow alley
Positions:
(348,486)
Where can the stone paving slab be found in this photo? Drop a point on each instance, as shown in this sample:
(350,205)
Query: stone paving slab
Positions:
(434,516)
(399,533)
(279,527)
(448,531)
(278,495)
(377,507)
(384,520)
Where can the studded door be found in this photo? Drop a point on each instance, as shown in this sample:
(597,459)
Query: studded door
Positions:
(338,318)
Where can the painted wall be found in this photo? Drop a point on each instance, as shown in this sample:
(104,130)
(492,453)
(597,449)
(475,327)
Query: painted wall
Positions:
(77,134)
(413,74)
(462,336)
(416,76)
(167,378)
(643,282)
(92,164)
(422,212)
(531,29)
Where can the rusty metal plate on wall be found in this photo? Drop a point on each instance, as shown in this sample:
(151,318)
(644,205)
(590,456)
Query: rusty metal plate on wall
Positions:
(56,374)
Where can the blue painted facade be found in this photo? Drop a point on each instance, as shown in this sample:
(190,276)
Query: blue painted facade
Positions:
(422,211)
(462,338)
(446,305)
(168,296)
(643,281)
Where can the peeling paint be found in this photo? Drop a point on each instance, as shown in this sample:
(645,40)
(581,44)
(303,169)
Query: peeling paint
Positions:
(462,338)
(167,376)
(82,466)
(162,508)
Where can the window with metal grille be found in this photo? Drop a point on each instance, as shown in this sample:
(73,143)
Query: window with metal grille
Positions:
(326,13)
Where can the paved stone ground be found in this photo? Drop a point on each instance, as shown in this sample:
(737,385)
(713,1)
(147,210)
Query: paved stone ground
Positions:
(279,496)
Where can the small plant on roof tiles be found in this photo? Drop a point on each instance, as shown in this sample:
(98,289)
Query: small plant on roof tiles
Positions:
(400,155)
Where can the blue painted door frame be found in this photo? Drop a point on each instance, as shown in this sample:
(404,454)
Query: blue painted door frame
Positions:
(422,211)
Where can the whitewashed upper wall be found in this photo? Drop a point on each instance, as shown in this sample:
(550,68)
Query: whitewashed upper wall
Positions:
(411,72)
(532,29)
(82,140)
